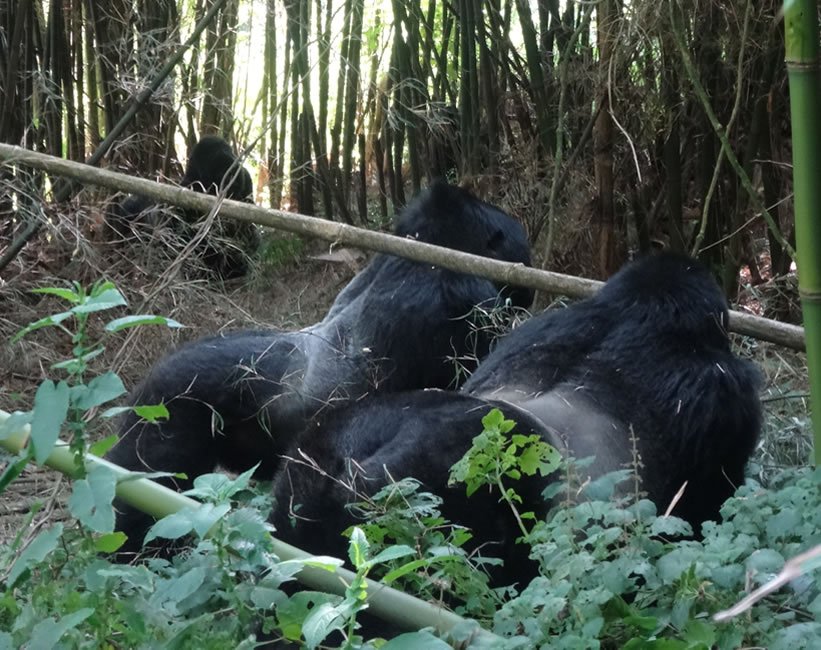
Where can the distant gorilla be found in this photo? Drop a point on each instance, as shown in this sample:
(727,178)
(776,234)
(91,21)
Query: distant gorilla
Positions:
(648,353)
(239,399)
(211,166)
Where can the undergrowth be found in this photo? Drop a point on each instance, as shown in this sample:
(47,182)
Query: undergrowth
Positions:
(610,572)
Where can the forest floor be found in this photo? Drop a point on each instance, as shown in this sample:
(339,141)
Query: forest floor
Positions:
(292,287)
(291,291)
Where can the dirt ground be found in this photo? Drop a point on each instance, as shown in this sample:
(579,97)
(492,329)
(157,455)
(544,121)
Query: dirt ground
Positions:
(293,291)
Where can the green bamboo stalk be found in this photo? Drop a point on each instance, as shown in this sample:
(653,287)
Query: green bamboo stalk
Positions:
(803,69)
(392,605)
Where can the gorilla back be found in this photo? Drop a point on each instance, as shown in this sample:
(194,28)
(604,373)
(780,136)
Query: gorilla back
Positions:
(647,357)
(239,399)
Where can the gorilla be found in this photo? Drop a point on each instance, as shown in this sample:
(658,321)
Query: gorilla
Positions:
(647,358)
(239,399)
(211,168)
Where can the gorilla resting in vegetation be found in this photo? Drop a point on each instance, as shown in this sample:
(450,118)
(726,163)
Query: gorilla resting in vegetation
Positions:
(242,398)
(211,167)
(648,353)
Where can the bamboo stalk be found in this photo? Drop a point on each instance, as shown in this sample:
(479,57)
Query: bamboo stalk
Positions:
(802,56)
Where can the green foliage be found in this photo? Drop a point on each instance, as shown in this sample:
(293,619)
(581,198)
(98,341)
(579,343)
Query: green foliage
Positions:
(495,459)
(611,573)
(280,250)
(67,402)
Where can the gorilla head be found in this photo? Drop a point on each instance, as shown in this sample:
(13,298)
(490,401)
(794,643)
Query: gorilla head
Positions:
(212,166)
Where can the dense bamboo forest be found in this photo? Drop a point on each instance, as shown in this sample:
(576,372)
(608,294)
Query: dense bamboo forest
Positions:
(409,324)
(607,128)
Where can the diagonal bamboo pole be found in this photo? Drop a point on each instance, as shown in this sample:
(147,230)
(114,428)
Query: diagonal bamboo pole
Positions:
(784,334)
(387,603)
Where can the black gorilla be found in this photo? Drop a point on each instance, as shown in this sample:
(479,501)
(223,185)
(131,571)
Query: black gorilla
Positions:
(648,353)
(239,399)
(211,167)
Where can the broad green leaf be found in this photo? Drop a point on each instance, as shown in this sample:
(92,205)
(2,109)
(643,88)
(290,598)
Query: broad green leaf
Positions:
(66,294)
(48,632)
(110,542)
(151,412)
(50,410)
(293,612)
(144,319)
(173,590)
(42,545)
(358,547)
(321,562)
(90,502)
(98,391)
(198,520)
(392,553)
(100,447)
(54,319)
(107,299)
(416,641)
(323,619)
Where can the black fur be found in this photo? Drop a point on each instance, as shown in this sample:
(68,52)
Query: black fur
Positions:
(649,352)
(211,166)
(242,398)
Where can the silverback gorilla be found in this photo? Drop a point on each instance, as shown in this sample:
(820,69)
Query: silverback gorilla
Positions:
(648,353)
(211,167)
(239,399)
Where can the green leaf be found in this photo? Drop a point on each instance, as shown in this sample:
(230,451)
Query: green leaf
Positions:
(66,294)
(100,447)
(98,391)
(174,590)
(42,545)
(218,487)
(358,547)
(410,566)
(493,420)
(539,457)
(415,641)
(77,364)
(198,520)
(144,319)
(109,542)
(699,635)
(323,619)
(152,412)
(54,319)
(106,299)
(321,562)
(13,470)
(48,632)
(50,410)
(90,502)
(292,613)
(392,553)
